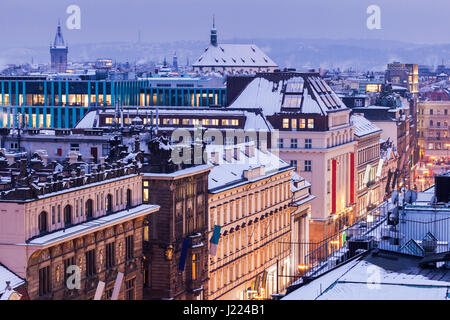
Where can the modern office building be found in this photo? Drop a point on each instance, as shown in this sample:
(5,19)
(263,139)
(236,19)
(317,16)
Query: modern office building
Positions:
(41,102)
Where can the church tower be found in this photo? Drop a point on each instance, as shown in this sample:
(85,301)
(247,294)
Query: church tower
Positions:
(58,52)
(214,33)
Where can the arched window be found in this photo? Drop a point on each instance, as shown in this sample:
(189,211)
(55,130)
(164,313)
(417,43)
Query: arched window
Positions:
(109,203)
(68,215)
(129,203)
(42,222)
(89,208)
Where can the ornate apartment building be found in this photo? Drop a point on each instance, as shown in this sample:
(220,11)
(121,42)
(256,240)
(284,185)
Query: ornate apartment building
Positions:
(314,135)
(433,123)
(369,166)
(56,218)
(251,199)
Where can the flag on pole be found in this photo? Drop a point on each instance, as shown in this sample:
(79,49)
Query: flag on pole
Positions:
(183,254)
(215,240)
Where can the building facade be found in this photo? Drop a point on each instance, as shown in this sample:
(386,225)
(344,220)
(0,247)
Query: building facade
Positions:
(93,221)
(175,247)
(314,135)
(369,166)
(251,199)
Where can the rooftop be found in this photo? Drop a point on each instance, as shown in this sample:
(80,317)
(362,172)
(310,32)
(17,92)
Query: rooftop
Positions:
(234,55)
(378,275)
(93,225)
(291,92)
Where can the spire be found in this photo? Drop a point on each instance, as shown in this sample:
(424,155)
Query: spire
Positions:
(214,32)
(59,39)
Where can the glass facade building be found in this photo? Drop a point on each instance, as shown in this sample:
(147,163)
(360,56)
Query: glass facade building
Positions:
(62,103)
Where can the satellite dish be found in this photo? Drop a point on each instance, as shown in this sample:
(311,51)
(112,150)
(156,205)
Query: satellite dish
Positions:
(394,197)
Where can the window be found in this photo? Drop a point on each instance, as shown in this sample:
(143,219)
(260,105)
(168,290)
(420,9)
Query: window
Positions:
(145,191)
(310,123)
(53,214)
(129,289)
(42,222)
(302,123)
(90,262)
(59,213)
(106,148)
(68,215)
(225,122)
(285,123)
(234,122)
(294,164)
(293,143)
(129,247)
(109,203)
(129,202)
(110,255)
(431,111)
(74,147)
(308,165)
(44,281)
(308,143)
(195,266)
(280,143)
(294,123)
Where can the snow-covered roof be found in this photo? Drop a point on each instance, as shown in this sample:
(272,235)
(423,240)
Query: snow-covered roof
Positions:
(363,127)
(234,55)
(396,276)
(253,119)
(302,94)
(231,174)
(7,275)
(93,225)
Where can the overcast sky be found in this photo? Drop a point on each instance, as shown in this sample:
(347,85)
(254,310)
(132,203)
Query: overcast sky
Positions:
(33,22)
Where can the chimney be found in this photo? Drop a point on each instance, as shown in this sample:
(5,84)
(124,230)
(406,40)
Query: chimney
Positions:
(214,157)
(237,153)
(73,156)
(44,156)
(10,157)
(228,154)
(250,149)
(263,146)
